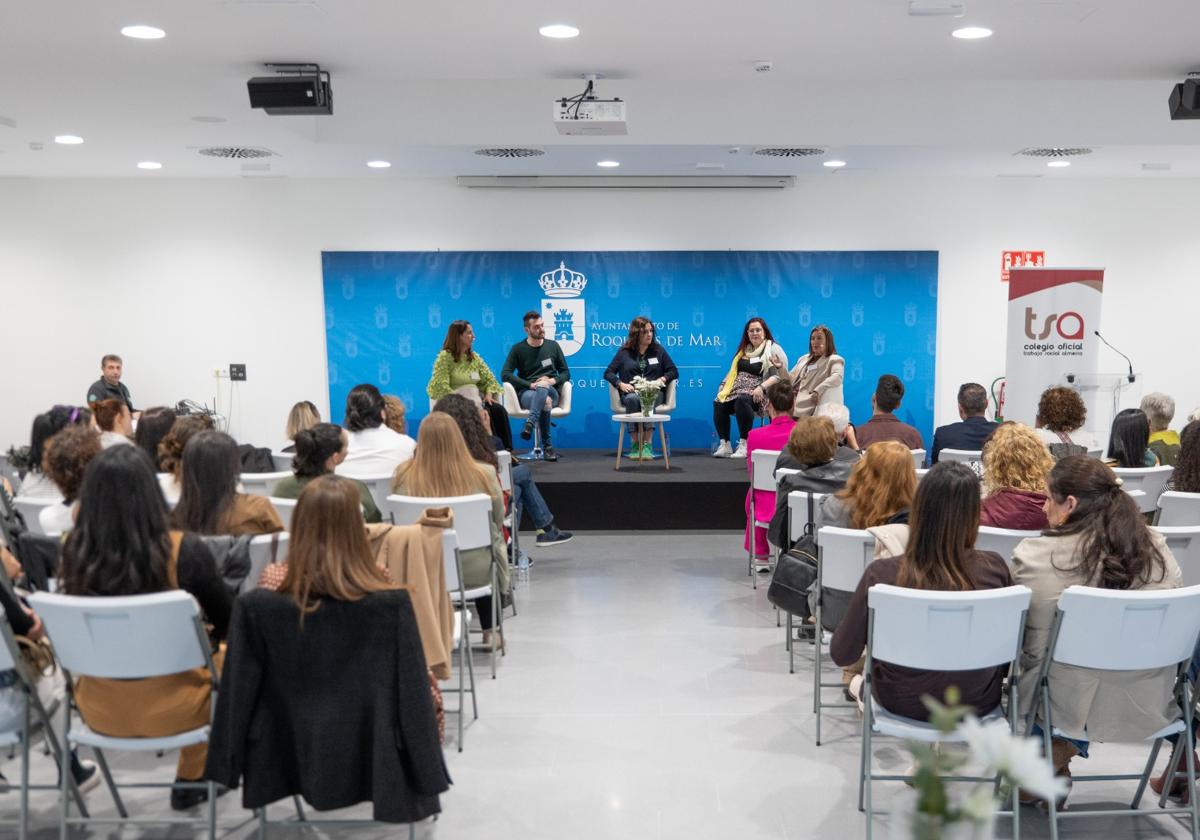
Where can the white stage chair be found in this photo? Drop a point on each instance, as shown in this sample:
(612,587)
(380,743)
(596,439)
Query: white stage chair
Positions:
(513,406)
(938,631)
(1176,508)
(261,484)
(1150,480)
(472,524)
(762,477)
(668,406)
(918,456)
(285,508)
(454,585)
(1112,630)
(1184,542)
(30,508)
(842,555)
(124,638)
(1002,540)
(964,455)
(266,549)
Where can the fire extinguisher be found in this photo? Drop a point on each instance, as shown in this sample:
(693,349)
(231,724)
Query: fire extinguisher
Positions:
(998,398)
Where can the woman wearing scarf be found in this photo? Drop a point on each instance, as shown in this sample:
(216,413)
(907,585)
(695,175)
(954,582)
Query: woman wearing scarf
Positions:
(758,357)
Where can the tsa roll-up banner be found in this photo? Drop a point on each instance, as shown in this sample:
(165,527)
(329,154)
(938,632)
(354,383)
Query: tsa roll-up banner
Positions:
(1053,314)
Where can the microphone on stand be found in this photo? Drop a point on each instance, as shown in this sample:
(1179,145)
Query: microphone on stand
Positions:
(1118,352)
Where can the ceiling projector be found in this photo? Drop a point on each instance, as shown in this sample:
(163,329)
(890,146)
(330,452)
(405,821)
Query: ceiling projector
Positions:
(589,116)
(1184,100)
(297,90)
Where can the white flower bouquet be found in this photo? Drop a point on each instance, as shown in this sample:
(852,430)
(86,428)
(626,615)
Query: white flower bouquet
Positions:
(647,390)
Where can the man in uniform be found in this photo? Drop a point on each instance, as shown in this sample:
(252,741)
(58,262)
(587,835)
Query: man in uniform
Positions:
(109,386)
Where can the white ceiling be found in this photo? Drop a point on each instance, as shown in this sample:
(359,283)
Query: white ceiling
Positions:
(423,85)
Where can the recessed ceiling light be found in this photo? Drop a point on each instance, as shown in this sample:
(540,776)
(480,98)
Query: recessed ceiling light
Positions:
(143,32)
(608,164)
(1059,164)
(559,30)
(68,139)
(379,164)
(834,164)
(972,33)
(149,164)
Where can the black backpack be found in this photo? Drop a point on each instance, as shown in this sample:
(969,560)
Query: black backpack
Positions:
(233,558)
(796,572)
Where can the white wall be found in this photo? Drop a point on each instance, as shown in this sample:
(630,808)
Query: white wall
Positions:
(181,277)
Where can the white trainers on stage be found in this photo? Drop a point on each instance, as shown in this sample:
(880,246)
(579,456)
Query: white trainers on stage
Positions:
(723,451)
(740,452)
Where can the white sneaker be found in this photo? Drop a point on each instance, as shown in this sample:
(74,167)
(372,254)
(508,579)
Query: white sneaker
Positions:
(740,452)
(723,451)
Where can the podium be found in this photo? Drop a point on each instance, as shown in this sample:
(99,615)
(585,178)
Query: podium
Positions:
(1105,394)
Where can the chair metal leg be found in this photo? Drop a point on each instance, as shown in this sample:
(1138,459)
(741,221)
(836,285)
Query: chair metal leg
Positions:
(108,779)
(1190,749)
(1141,788)
(867,772)
(1047,740)
(23,825)
(620,444)
(64,768)
(262,824)
(791,646)
(212,810)
(1172,763)
(299,808)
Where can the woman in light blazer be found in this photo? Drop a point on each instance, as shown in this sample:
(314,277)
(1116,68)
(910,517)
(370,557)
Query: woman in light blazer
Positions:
(1097,537)
(817,376)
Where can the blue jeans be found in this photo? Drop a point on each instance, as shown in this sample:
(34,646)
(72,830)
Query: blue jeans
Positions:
(533,400)
(528,498)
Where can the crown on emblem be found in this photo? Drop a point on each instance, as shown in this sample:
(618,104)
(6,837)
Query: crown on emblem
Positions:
(563,282)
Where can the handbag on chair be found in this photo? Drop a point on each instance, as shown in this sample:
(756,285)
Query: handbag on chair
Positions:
(796,572)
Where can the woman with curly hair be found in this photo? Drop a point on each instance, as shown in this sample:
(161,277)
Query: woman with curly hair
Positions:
(170,453)
(67,456)
(34,482)
(1186,478)
(1060,418)
(1015,465)
(879,491)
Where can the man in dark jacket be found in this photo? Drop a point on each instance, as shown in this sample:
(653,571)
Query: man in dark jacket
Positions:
(974,427)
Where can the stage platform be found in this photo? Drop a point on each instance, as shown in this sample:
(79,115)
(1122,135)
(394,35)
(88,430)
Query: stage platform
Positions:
(698,493)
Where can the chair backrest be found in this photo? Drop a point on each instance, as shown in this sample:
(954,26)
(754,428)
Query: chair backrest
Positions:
(30,507)
(921,473)
(614,399)
(1184,542)
(1114,630)
(450,559)
(947,631)
(1001,540)
(1176,508)
(1096,453)
(668,404)
(798,510)
(8,644)
(8,471)
(504,457)
(472,515)
(844,553)
(260,556)
(762,469)
(564,399)
(379,485)
(285,508)
(1150,480)
(262,484)
(960,455)
(511,404)
(918,456)
(282,461)
(126,637)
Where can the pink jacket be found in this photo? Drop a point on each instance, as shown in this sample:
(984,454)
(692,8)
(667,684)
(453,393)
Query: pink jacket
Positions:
(774,435)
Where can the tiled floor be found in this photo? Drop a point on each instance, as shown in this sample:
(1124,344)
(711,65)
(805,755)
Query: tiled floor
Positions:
(645,694)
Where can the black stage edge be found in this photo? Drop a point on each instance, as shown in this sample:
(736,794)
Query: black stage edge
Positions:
(699,492)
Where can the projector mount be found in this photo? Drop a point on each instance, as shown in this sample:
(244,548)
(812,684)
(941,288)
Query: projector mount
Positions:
(297,68)
(588,95)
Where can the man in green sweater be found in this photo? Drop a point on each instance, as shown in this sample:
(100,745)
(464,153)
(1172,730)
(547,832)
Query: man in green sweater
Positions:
(537,368)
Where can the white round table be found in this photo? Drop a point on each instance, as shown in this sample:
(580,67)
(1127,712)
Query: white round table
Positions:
(657,420)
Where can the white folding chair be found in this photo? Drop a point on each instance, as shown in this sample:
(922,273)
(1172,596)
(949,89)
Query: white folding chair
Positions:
(513,406)
(918,456)
(921,473)
(1002,540)
(127,638)
(454,585)
(380,487)
(262,484)
(1176,508)
(285,508)
(842,554)
(30,508)
(265,549)
(1150,480)
(762,477)
(472,525)
(1096,453)
(797,520)
(1184,542)
(283,461)
(938,631)
(1116,630)
(964,455)
(7,470)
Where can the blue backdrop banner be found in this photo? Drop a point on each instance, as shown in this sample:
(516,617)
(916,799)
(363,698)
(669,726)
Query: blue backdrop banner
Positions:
(386,315)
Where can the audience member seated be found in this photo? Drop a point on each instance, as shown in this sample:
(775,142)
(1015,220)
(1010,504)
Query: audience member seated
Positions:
(304,415)
(743,392)
(122,545)
(1097,537)
(973,428)
(941,555)
(170,453)
(879,491)
(395,414)
(325,692)
(847,442)
(884,425)
(812,450)
(374,449)
(773,436)
(1129,441)
(1060,418)
(818,374)
(210,502)
(470,419)
(1015,465)
(443,466)
(152,427)
(115,422)
(458,369)
(67,456)
(34,482)
(1186,477)
(1164,441)
(319,449)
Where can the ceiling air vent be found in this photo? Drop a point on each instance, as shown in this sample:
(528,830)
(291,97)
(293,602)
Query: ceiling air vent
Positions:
(789,151)
(508,152)
(236,152)
(1055,151)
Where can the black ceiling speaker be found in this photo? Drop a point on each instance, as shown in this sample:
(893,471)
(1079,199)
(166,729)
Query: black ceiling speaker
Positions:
(1185,100)
(298,90)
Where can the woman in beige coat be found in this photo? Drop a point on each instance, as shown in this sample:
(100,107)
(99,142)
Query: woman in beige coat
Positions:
(817,376)
(1097,537)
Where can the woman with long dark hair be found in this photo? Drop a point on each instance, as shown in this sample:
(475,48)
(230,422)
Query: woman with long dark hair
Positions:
(1097,537)
(757,359)
(374,449)
(1129,442)
(34,482)
(153,425)
(319,449)
(941,556)
(1186,478)
(122,544)
(818,374)
(458,369)
(640,355)
(209,501)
